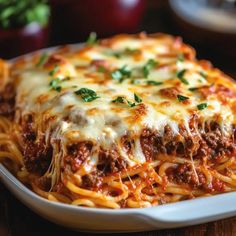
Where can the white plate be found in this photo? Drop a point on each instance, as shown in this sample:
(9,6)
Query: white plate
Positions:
(172,215)
(198,13)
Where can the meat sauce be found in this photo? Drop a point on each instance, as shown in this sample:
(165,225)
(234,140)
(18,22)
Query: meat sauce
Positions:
(212,145)
(77,154)
(37,154)
(7,101)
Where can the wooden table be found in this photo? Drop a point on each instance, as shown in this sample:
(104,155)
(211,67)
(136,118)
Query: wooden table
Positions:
(16,219)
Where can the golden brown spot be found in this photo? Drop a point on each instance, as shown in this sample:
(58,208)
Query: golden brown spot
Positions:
(93,111)
(168,54)
(137,114)
(110,41)
(63,49)
(69,107)
(205,64)
(100,63)
(165,104)
(43,98)
(82,51)
(142,35)
(223,93)
(117,109)
(178,42)
(233,106)
(91,75)
(4,73)
(18,64)
(138,55)
(53,60)
(170,92)
(141,109)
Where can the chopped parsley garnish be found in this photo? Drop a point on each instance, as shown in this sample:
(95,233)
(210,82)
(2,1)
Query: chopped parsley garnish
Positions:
(182,98)
(137,98)
(86,94)
(117,54)
(135,81)
(117,75)
(92,39)
(54,70)
(121,74)
(203,74)
(202,106)
(131,51)
(152,82)
(55,84)
(180,57)
(126,52)
(151,63)
(42,59)
(125,71)
(193,89)
(180,75)
(101,69)
(65,79)
(131,104)
(121,99)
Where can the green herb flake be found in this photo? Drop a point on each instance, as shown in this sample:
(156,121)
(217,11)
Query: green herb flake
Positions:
(65,79)
(135,81)
(180,75)
(116,75)
(131,51)
(203,74)
(55,84)
(193,89)
(92,39)
(126,52)
(42,59)
(54,70)
(119,100)
(152,82)
(117,54)
(202,106)
(86,94)
(121,74)
(151,63)
(123,100)
(101,69)
(125,71)
(180,57)
(137,98)
(182,98)
(131,104)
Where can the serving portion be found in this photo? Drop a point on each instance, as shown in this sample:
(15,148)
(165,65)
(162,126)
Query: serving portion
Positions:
(130,121)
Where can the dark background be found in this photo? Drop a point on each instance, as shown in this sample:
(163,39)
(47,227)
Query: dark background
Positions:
(16,219)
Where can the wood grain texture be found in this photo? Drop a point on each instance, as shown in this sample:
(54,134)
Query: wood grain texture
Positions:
(17,220)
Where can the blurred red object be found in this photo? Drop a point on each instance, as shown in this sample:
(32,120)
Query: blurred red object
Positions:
(15,42)
(73,20)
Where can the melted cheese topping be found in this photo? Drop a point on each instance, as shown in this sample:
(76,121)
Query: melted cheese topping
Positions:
(105,122)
